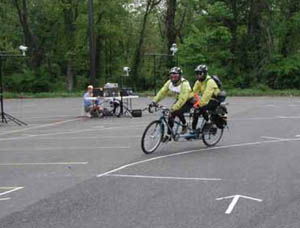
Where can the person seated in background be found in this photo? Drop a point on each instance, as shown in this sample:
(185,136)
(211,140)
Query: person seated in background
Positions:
(91,104)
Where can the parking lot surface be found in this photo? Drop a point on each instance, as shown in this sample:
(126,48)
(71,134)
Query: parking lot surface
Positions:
(66,170)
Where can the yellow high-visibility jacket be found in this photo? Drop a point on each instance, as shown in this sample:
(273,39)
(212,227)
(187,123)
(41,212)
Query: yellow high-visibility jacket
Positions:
(208,90)
(181,91)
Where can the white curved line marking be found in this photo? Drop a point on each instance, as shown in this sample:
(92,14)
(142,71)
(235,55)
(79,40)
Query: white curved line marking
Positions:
(193,151)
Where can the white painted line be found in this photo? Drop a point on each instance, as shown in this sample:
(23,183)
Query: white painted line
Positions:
(288,117)
(96,137)
(265,118)
(3,199)
(274,138)
(98,127)
(40,126)
(293,105)
(234,201)
(29,135)
(70,132)
(232,205)
(192,151)
(44,163)
(297,135)
(12,189)
(172,155)
(170,178)
(64,148)
(14,138)
(48,117)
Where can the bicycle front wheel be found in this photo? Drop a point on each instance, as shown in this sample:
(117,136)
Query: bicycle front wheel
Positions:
(152,137)
(211,134)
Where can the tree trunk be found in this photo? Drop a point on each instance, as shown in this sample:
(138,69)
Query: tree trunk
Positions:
(292,8)
(70,16)
(35,51)
(137,59)
(70,77)
(170,27)
(99,48)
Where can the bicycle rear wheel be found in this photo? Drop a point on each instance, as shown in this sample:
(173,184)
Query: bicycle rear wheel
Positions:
(152,137)
(211,134)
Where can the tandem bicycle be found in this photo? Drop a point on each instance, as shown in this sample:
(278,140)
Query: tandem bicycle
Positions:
(210,130)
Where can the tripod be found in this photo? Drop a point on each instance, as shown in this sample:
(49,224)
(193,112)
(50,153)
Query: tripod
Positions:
(5,116)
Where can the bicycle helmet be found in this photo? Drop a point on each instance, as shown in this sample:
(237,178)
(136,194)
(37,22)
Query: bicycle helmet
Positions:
(201,72)
(175,74)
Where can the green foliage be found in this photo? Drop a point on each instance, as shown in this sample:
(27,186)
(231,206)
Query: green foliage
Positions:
(28,81)
(208,42)
(247,45)
(284,73)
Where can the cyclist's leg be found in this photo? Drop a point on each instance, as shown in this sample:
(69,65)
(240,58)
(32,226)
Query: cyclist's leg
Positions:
(168,136)
(202,111)
(212,105)
(180,113)
(195,120)
(171,119)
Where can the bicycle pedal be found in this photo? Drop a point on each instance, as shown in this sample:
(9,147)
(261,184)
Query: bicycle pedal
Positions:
(166,139)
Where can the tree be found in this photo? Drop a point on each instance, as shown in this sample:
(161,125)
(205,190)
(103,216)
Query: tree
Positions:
(31,39)
(70,14)
(150,4)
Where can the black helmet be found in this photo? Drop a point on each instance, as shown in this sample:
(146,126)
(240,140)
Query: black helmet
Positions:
(175,74)
(201,72)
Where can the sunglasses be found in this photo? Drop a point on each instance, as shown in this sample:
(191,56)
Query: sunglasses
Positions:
(199,73)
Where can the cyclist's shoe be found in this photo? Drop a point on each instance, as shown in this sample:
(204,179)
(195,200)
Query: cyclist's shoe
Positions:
(184,129)
(166,138)
(191,135)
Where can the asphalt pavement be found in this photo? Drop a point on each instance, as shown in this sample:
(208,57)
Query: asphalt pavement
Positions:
(65,170)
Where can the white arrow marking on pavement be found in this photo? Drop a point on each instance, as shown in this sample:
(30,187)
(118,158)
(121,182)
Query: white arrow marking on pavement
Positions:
(2,199)
(235,200)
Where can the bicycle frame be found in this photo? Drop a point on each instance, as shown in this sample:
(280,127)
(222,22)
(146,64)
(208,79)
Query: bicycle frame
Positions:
(174,133)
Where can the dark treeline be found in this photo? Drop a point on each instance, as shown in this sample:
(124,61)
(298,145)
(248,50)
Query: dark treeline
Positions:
(248,43)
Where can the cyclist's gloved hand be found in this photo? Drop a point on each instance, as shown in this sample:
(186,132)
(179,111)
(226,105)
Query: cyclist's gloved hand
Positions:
(196,106)
(152,104)
(171,115)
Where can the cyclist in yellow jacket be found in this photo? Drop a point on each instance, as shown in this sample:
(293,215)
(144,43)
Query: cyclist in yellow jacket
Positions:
(180,88)
(209,90)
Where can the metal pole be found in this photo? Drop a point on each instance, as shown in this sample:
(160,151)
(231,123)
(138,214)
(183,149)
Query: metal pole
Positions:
(1,92)
(121,94)
(92,45)
(154,73)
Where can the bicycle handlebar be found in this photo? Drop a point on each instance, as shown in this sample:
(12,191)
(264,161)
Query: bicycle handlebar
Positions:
(162,108)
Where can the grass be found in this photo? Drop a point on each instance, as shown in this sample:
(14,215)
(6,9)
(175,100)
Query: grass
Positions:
(249,92)
(263,92)
(42,95)
(230,92)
